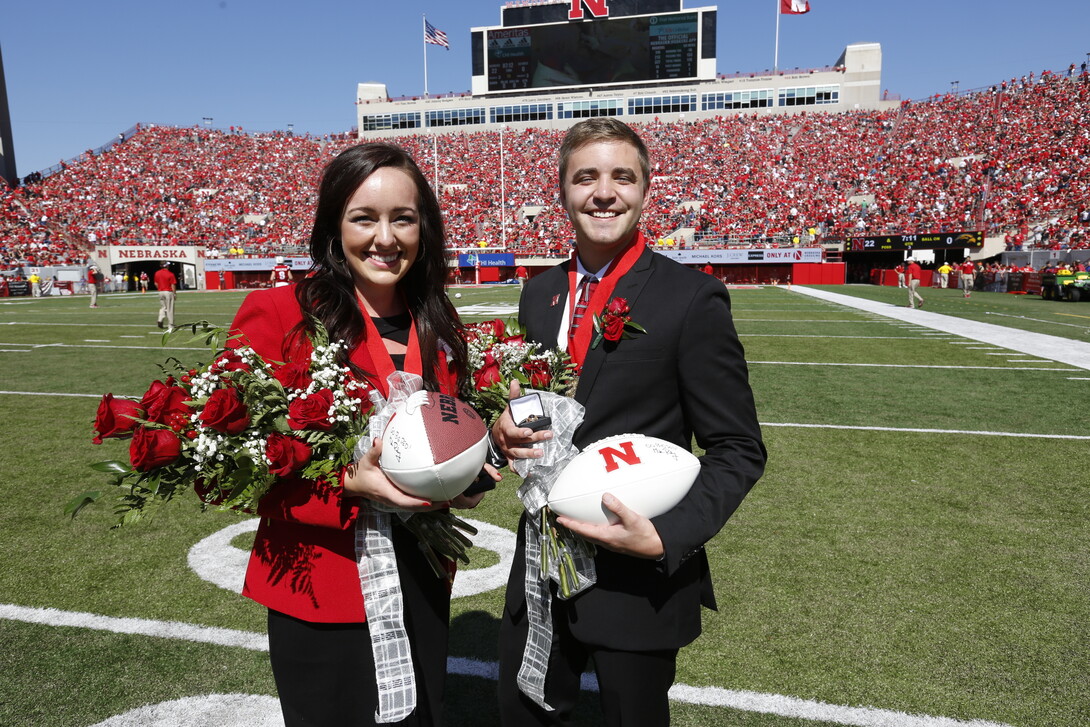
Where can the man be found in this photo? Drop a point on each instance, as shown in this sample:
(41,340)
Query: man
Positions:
(968,275)
(913,274)
(685,376)
(522,275)
(167,285)
(281,273)
(900,270)
(944,275)
(35,285)
(143,281)
(93,276)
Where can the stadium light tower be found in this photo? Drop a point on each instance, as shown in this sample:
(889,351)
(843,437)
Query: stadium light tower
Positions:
(503,195)
(8,172)
(207,121)
(291,129)
(954,87)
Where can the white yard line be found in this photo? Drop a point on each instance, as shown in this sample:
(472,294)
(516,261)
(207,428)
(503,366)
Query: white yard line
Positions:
(747,701)
(1062,350)
(53,393)
(972,432)
(904,366)
(812,335)
(149,347)
(805,320)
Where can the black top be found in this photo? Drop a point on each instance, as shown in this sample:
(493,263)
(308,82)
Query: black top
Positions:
(396,329)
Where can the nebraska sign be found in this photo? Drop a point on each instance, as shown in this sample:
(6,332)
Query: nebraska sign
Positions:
(118,254)
(597,9)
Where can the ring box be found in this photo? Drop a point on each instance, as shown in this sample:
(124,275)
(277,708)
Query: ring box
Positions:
(527,412)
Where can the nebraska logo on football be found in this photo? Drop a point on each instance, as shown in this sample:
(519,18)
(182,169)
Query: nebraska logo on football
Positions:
(626,454)
(597,8)
(449,407)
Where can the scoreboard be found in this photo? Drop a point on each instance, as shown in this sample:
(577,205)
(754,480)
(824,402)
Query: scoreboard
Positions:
(972,239)
(624,45)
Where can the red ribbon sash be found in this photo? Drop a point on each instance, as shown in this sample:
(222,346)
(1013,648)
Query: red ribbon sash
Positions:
(373,357)
(602,294)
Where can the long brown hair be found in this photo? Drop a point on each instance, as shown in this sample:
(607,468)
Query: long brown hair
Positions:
(328,292)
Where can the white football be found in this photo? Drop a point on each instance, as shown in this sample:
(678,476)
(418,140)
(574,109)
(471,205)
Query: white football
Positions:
(647,474)
(434,447)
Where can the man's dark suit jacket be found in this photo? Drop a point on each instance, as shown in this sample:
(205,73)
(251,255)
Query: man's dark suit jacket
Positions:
(686,376)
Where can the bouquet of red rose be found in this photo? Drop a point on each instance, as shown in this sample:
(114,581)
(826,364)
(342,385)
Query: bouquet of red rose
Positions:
(230,428)
(499,353)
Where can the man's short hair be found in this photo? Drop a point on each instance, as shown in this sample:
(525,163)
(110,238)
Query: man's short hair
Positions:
(603,128)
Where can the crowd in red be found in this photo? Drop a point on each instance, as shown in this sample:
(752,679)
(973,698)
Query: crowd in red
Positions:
(1012,160)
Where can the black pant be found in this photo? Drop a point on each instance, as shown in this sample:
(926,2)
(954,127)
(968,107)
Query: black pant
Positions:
(325,673)
(632,686)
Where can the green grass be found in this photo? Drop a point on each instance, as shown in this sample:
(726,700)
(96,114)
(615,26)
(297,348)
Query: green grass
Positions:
(926,572)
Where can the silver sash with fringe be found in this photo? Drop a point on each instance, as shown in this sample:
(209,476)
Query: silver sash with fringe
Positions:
(379,578)
(566,414)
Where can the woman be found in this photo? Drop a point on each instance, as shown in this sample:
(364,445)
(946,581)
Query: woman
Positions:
(376,283)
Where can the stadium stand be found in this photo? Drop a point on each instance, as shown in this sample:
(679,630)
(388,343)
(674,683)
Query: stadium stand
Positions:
(1013,159)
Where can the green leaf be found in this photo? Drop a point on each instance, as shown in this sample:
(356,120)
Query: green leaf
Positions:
(81,501)
(112,466)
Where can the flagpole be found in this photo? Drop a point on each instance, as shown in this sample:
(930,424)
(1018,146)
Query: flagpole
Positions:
(424,31)
(776,57)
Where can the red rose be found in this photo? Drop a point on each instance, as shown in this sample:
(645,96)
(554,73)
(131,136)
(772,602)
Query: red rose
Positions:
(613,328)
(163,399)
(618,307)
(488,373)
(209,493)
(311,412)
(153,448)
(225,412)
(293,376)
(114,418)
(539,374)
(286,453)
(496,327)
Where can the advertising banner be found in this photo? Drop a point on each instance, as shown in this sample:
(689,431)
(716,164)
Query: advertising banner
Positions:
(486,259)
(726,257)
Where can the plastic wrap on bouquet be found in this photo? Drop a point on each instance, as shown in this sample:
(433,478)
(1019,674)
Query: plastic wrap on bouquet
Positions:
(549,558)
(540,474)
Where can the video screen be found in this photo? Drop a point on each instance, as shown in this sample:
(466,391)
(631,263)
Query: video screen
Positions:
(621,50)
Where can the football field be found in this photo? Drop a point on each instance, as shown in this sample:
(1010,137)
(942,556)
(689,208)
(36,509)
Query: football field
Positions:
(916,555)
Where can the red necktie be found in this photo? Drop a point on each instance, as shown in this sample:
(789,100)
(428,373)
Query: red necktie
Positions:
(586,290)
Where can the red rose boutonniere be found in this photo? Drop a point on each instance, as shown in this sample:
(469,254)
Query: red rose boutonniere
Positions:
(614,323)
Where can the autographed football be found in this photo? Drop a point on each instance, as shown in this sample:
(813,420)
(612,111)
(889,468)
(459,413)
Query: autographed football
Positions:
(434,447)
(648,475)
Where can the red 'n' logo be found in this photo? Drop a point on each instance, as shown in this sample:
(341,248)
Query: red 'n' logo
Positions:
(625,454)
(597,8)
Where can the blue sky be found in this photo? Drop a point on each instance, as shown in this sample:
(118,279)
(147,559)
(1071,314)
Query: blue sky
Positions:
(80,72)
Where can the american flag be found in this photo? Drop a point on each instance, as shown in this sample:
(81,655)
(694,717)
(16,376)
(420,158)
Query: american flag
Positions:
(435,36)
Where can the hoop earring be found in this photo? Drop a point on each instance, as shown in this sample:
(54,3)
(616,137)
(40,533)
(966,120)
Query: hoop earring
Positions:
(333,258)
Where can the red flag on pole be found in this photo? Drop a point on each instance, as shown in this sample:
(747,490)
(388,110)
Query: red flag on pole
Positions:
(794,7)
